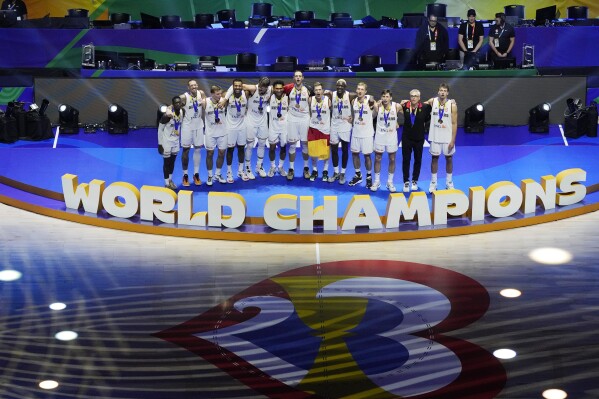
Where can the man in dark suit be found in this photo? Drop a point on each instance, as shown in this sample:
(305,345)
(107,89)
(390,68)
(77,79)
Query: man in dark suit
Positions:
(416,114)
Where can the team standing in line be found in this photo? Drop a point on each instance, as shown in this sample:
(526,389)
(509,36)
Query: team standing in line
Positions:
(285,115)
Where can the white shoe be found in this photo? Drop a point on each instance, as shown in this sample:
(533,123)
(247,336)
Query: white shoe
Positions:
(414,185)
(243,175)
(375,186)
(220,179)
(261,172)
(432,187)
(282,171)
(249,174)
(406,187)
(230,177)
(209,181)
(391,187)
(449,185)
(271,171)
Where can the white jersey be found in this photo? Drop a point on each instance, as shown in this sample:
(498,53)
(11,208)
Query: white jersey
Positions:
(341,113)
(386,121)
(441,132)
(171,131)
(214,128)
(193,112)
(236,111)
(363,119)
(278,124)
(298,104)
(257,108)
(320,114)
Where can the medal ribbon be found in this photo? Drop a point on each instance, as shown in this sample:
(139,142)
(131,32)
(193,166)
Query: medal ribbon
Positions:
(279,107)
(195,103)
(361,111)
(339,105)
(177,123)
(386,116)
(260,105)
(318,110)
(298,96)
(238,106)
(441,112)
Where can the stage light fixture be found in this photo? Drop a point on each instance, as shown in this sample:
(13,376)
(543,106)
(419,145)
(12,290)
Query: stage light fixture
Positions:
(118,120)
(68,119)
(474,119)
(538,121)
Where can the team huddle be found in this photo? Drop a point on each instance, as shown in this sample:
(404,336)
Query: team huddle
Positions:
(281,116)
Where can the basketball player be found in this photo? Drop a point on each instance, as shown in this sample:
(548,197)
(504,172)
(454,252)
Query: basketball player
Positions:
(442,134)
(320,126)
(362,139)
(192,130)
(277,129)
(341,125)
(298,121)
(216,135)
(169,129)
(385,139)
(236,131)
(257,124)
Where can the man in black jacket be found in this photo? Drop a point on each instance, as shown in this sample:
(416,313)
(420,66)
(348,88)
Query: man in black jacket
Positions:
(18,5)
(432,42)
(416,114)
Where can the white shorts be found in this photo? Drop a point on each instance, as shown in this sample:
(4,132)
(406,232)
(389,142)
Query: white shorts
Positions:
(437,149)
(189,137)
(219,142)
(362,144)
(297,130)
(385,143)
(278,137)
(336,136)
(236,137)
(170,148)
(253,132)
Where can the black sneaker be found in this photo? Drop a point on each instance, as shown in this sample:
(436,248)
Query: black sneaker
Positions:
(368,182)
(314,175)
(306,173)
(325,176)
(357,179)
(290,174)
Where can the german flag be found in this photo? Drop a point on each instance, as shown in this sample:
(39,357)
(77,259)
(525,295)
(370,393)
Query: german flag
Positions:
(318,144)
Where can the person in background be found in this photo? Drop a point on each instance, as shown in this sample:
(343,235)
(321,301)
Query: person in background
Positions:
(501,38)
(432,42)
(18,5)
(470,39)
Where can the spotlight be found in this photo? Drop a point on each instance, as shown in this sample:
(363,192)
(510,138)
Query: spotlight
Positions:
(68,119)
(538,121)
(118,120)
(474,119)
(161,110)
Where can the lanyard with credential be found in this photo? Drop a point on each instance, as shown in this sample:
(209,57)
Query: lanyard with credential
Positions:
(429,35)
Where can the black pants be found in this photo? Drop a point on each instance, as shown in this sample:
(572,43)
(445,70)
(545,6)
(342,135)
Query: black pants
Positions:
(407,146)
